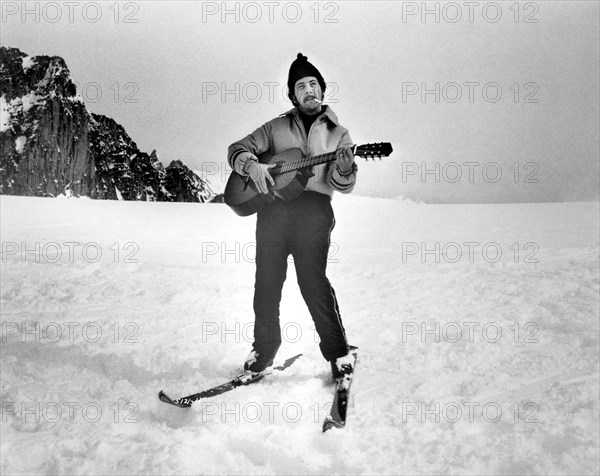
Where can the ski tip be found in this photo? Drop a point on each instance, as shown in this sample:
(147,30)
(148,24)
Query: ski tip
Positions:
(163,397)
(331,423)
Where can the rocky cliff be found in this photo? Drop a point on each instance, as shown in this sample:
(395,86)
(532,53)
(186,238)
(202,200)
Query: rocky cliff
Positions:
(51,145)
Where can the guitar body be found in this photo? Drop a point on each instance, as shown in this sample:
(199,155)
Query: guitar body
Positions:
(243,197)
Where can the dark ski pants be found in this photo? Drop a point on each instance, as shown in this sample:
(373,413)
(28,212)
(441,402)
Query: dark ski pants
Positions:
(301,228)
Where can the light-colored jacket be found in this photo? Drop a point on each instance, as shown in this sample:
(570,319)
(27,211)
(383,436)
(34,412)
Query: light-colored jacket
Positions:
(287,131)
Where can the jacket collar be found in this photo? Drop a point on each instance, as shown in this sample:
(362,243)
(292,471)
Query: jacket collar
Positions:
(326,113)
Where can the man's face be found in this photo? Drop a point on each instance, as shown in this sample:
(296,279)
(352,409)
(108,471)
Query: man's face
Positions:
(306,91)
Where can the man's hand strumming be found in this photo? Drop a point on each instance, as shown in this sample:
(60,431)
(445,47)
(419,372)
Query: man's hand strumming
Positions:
(259,173)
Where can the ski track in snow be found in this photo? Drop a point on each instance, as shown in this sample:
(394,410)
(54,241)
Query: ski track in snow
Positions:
(173,311)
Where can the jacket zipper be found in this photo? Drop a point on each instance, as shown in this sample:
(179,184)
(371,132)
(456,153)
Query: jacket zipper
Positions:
(306,134)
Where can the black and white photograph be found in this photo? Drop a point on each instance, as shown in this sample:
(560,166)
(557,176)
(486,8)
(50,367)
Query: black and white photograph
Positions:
(300,238)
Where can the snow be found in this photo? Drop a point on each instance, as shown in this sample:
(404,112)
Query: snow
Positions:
(408,201)
(28,62)
(5,113)
(68,193)
(8,108)
(20,144)
(104,303)
(30,100)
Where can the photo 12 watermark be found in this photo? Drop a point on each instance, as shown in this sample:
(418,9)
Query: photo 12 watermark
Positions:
(471,172)
(70,412)
(69,252)
(470,332)
(89,332)
(70,12)
(216,172)
(289,332)
(470,92)
(253,92)
(469,412)
(469,251)
(470,12)
(246,252)
(114,91)
(270,12)
(290,412)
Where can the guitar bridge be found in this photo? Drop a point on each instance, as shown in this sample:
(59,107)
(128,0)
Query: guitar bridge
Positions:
(246,183)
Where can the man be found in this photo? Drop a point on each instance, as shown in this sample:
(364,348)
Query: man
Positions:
(301,227)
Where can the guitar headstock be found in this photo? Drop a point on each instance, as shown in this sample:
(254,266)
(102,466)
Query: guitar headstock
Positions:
(376,149)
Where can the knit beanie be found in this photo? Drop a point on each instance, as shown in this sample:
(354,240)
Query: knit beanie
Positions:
(301,68)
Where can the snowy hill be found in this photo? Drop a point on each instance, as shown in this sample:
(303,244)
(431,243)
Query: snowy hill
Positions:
(477,327)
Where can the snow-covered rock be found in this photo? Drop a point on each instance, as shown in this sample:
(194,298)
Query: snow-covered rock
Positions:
(49,142)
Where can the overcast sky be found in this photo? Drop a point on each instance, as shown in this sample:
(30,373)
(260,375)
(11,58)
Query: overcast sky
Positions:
(514,118)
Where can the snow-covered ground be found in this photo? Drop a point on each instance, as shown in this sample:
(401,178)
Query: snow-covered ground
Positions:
(471,362)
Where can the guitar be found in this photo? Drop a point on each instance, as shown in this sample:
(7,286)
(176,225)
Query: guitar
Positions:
(290,174)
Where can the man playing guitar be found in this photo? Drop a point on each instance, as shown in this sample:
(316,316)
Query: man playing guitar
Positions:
(300,227)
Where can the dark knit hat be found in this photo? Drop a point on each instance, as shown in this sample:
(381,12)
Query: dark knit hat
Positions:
(301,68)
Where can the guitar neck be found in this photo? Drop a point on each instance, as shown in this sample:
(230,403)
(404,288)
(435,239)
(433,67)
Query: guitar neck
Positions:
(306,162)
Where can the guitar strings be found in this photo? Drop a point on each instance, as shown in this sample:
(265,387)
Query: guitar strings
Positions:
(310,161)
(296,164)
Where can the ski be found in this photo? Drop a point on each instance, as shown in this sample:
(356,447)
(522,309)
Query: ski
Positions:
(242,379)
(337,417)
